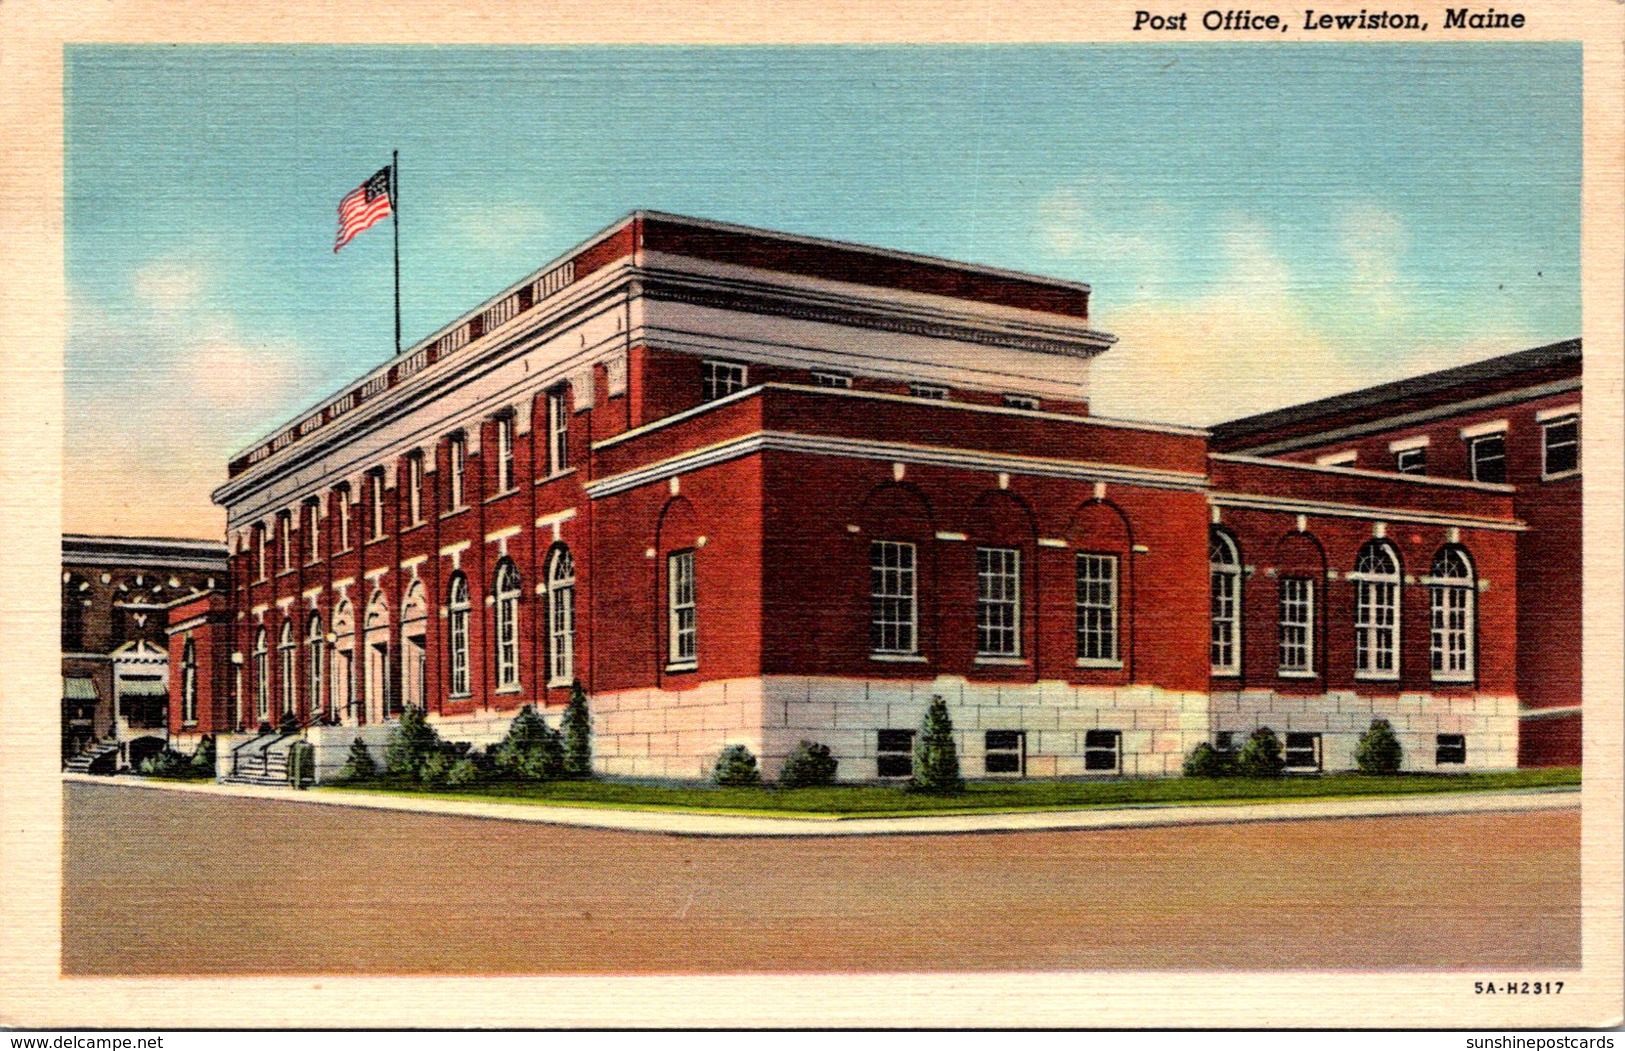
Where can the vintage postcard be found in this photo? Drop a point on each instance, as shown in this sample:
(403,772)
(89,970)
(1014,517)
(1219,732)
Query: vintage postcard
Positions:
(807,516)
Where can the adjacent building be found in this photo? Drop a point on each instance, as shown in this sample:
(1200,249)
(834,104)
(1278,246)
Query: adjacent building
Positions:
(1512,420)
(748,487)
(115,654)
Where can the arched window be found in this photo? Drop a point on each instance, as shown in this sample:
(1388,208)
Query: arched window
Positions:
(1224,573)
(262,676)
(457,632)
(561,617)
(287,652)
(314,648)
(1376,612)
(506,591)
(189,683)
(1452,589)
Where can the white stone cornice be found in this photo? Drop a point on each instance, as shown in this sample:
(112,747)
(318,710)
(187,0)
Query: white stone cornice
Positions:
(581,388)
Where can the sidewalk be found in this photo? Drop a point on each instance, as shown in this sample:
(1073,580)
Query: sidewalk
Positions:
(691,823)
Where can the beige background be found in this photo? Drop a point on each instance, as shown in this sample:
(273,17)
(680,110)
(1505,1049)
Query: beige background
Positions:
(32,34)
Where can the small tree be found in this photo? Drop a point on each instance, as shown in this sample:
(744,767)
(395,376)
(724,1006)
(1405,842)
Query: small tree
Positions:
(1379,751)
(1207,761)
(411,742)
(809,766)
(202,762)
(532,751)
(358,765)
(736,766)
(577,734)
(936,760)
(1261,755)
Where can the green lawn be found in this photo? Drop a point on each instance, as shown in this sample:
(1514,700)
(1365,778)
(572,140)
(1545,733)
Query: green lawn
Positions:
(979,797)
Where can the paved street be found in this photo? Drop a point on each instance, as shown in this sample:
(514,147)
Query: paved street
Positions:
(169,883)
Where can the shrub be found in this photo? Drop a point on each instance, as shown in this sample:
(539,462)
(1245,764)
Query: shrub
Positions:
(532,751)
(1261,755)
(577,734)
(358,766)
(1207,761)
(936,760)
(202,761)
(167,763)
(809,766)
(736,766)
(301,764)
(467,770)
(411,742)
(436,767)
(1379,751)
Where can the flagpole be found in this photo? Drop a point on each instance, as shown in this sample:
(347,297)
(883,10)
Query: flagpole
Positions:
(394,212)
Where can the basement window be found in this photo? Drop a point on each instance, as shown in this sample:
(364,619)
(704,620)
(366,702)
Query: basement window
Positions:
(894,753)
(1006,752)
(1450,749)
(1103,751)
(1302,752)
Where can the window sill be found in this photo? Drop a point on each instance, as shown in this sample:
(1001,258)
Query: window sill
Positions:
(454,512)
(560,684)
(263,580)
(677,666)
(555,476)
(1225,673)
(1087,662)
(500,496)
(897,658)
(509,690)
(376,540)
(1293,673)
(1454,680)
(340,551)
(413,528)
(1560,475)
(1376,677)
(1002,662)
(460,697)
(287,573)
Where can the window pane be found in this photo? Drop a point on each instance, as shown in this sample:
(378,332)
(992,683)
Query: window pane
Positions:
(998,601)
(1489,458)
(1097,607)
(891,597)
(1562,446)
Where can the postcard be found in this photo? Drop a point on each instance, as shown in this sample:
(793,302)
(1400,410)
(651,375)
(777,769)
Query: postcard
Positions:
(811,516)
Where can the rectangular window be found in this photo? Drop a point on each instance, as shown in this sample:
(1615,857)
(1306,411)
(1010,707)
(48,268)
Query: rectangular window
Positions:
(284,536)
(504,454)
(1224,580)
(894,753)
(1450,749)
(457,462)
(1411,461)
(558,431)
(259,547)
(683,649)
(313,532)
(1302,751)
(832,380)
(1561,446)
(1103,751)
(891,597)
(1006,752)
(414,488)
(1346,458)
(1489,458)
(341,495)
(1097,609)
(718,379)
(929,391)
(1021,401)
(375,494)
(998,602)
(1297,627)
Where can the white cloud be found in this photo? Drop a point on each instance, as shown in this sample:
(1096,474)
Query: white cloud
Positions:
(1071,225)
(1373,241)
(167,287)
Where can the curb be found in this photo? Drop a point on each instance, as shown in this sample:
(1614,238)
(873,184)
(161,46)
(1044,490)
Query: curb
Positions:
(725,825)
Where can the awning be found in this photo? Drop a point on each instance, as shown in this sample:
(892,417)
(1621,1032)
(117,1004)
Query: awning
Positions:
(142,688)
(78,689)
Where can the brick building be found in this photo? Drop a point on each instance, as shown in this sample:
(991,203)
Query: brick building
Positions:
(115,656)
(749,487)
(1513,419)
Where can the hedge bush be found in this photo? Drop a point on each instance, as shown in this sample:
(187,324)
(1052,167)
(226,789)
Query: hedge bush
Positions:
(809,766)
(1207,761)
(577,727)
(202,761)
(936,759)
(411,743)
(1261,755)
(532,751)
(1379,751)
(736,766)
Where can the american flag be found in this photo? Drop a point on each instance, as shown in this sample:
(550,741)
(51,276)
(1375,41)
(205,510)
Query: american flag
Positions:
(363,206)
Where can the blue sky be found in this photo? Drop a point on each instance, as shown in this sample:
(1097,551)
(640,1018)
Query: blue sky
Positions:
(1261,223)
